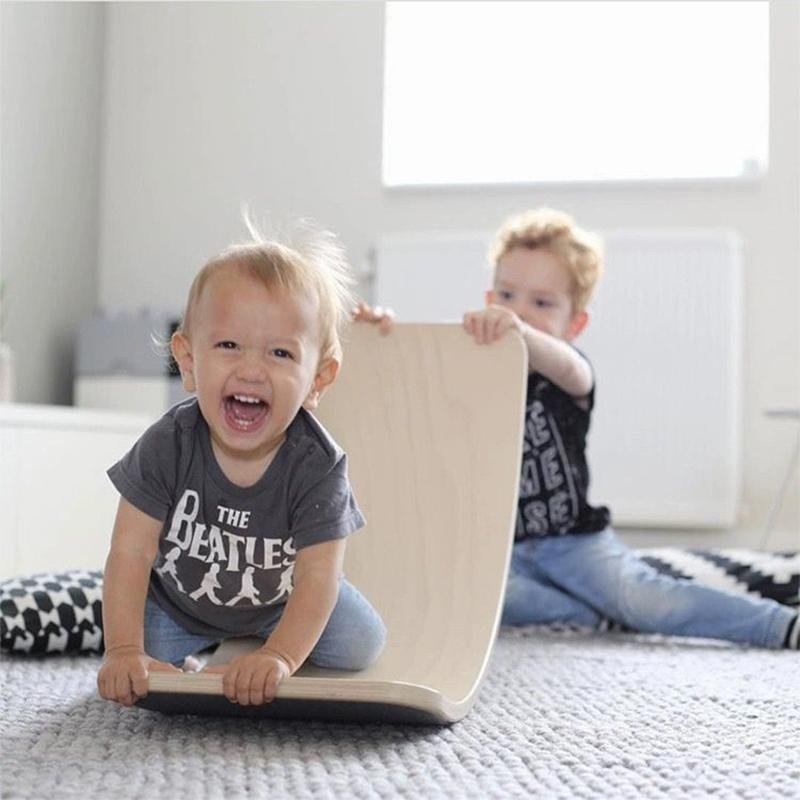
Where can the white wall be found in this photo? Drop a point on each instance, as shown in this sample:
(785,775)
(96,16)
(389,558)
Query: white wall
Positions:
(51,72)
(212,104)
(206,105)
(280,105)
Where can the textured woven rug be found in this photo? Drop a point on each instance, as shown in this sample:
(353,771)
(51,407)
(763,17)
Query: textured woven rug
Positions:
(560,714)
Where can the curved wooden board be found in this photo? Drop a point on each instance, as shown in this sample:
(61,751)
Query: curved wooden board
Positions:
(432,425)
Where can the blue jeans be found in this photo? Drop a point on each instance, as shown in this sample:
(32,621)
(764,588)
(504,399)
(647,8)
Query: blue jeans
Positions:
(583,578)
(352,639)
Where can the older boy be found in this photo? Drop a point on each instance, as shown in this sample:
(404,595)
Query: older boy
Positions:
(568,565)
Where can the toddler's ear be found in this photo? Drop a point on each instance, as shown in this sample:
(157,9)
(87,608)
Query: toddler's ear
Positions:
(179,345)
(576,326)
(326,375)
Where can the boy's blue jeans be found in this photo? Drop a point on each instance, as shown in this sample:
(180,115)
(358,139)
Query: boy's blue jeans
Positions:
(352,639)
(582,578)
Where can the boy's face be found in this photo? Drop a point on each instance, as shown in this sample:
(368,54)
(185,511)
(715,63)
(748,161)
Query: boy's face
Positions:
(252,357)
(537,288)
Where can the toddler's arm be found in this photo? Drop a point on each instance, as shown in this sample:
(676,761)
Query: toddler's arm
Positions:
(134,545)
(557,361)
(548,355)
(253,679)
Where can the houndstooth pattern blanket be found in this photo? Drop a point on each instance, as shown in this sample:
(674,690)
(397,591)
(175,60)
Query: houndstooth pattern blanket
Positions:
(54,612)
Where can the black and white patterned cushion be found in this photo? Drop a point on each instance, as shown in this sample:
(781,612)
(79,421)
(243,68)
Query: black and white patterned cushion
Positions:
(752,572)
(52,613)
(62,612)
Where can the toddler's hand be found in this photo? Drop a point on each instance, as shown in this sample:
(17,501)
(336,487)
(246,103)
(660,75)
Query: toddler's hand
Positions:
(491,323)
(123,675)
(383,316)
(252,679)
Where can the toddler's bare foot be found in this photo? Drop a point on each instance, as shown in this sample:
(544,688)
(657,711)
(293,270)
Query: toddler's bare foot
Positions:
(193,664)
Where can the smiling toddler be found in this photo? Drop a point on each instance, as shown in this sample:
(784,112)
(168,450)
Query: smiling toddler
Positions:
(235,505)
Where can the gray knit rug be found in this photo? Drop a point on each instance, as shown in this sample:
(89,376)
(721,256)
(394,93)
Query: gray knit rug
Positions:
(560,715)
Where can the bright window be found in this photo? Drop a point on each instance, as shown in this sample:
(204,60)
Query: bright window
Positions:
(516,92)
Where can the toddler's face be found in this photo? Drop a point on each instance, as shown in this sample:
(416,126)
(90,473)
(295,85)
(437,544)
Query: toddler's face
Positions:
(252,357)
(537,288)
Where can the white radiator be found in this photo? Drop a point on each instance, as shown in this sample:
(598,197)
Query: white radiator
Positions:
(664,339)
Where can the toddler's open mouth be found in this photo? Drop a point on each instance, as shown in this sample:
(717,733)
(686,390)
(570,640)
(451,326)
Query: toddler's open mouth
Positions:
(245,413)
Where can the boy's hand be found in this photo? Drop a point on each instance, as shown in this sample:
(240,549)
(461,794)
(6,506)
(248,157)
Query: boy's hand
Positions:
(252,679)
(383,316)
(491,323)
(123,675)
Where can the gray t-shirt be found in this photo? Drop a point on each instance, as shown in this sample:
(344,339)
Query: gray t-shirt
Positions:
(226,553)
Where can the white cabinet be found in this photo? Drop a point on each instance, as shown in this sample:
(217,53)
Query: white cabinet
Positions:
(129,394)
(57,503)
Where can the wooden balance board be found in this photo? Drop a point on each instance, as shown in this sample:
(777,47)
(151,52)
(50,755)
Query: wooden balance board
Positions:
(432,425)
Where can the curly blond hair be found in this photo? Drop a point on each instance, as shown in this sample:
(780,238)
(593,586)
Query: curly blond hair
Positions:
(315,267)
(580,251)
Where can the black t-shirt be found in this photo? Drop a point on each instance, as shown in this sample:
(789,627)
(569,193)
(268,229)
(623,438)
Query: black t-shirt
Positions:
(226,554)
(555,476)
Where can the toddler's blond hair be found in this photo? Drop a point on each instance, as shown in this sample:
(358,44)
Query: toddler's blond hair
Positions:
(315,268)
(578,250)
